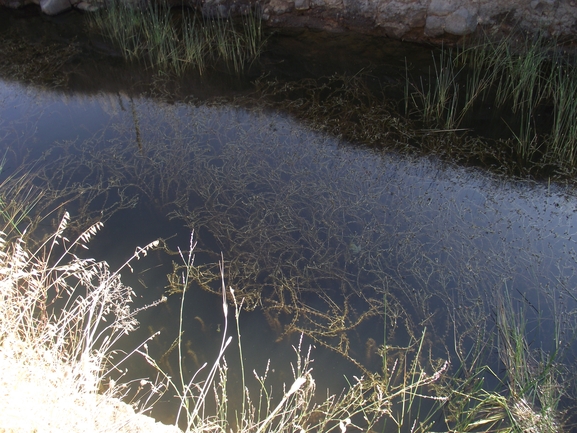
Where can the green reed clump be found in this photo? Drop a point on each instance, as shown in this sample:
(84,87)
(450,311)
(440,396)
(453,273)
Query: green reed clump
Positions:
(179,41)
(530,381)
(438,95)
(523,79)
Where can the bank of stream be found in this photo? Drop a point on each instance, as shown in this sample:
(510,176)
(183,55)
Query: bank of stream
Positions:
(391,246)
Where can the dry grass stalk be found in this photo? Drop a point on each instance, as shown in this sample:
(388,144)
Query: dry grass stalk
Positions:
(60,319)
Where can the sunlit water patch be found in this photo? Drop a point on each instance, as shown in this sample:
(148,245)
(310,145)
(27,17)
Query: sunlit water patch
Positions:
(355,249)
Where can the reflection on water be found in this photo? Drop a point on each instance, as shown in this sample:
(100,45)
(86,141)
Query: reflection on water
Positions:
(319,237)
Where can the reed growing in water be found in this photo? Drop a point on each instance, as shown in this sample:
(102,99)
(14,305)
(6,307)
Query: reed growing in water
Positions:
(176,42)
(529,83)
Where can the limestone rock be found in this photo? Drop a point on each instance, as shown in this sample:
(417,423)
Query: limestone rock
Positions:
(87,7)
(328,4)
(16,4)
(442,8)
(461,22)
(279,7)
(413,19)
(302,5)
(434,26)
(55,7)
(455,17)
(365,8)
(216,8)
(398,17)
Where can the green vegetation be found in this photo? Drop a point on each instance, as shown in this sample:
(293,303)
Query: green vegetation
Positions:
(175,42)
(529,83)
(506,105)
(321,240)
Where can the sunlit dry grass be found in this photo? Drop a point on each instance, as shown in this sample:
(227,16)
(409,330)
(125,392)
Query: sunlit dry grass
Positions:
(61,317)
(61,320)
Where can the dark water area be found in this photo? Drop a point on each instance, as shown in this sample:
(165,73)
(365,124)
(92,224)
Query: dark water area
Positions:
(96,66)
(352,247)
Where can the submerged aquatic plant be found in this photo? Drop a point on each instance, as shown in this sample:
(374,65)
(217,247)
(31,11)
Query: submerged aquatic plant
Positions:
(370,402)
(41,64)
(328,271)
(176,42)
(61,322)
(73,348)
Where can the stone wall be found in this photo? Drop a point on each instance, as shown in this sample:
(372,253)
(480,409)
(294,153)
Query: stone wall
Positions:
(401,19)
(427,19)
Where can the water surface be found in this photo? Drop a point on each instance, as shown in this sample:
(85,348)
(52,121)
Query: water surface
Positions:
(351,247)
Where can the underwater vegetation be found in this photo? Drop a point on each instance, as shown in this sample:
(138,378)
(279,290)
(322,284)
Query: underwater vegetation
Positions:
(68,322)
(437,315)
(454,312)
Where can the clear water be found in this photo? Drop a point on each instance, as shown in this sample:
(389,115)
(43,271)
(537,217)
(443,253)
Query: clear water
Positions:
(314,231)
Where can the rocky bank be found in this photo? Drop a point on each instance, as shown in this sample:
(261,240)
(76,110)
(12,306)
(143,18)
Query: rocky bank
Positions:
(400,19)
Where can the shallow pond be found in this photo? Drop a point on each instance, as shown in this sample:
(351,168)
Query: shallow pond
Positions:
(354,248)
